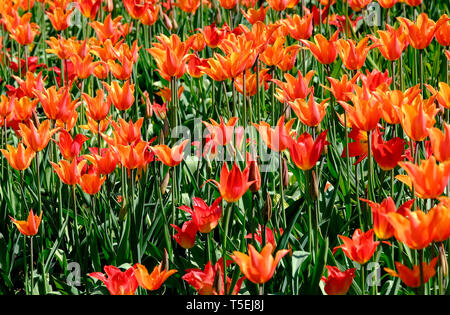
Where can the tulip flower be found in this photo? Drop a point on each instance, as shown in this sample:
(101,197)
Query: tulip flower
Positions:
(203,281)
(228,4)
(412,277)
(391,102)
(360,147)
(252,15)
(30,226)
(20,158)
(221,133)
(270,235)
(91,183)
(60,18)
(383,229)
(305,152)
(276,139)
(440,143)
(106,162)
(392,42)
(338,282)
(97,107)
(258,267)
(293,88)
(358,5)
(341,88)
(233,184)
(110,29)
(204,216)
(134,156)
(170,156)
(57,104)
(277,55)
(37,138)
(310,113)
(441,213)
(354,55)
(442,33)
(421,33)
(186,234)
(443,95)
(88,8)
(324,50)
(70,147)
(6,106)
(254,173)
(118,282)
(154,280)
(429,178)
(387,154)
(30,86)
(387,4)
(281,5)
(69,173)
(299,27)
(360,248)
(121,97)
(188,6)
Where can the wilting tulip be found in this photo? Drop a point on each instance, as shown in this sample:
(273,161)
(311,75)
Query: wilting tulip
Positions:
(30,226)
(37,139)
(276,139)
(429,178)
(91,183)
(70,147)
(154,280)
(440,143)
(186,234)
(387,154)
(210,281)
(305,152)
(258,267)
(69,173)
(412,278)
(324,50)
(118,282)
(20,158)
(360,248)
(354,55)
(233,184)
(204,216)
(383,229)
(170,156)
(338,282)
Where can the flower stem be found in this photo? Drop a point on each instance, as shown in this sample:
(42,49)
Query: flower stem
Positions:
(227,216)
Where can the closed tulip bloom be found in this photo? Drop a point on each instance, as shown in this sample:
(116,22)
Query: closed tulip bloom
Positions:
(155,279)
(70,147)
(118,282)
(421,33)
(415,229)
(97,107)
(360,248)
(309,112)
(387,154)
(354,54)
(338,282)
(443,31)
(305,152)
(186,234)
(91,183)
(411,278)
(277,139)
(429,178)
(37,138)
(204,216)
(440,143)
(170,156)
(324,50)
(254,173)
(121,97)
(69,173)
(30,226)
(383,229)
(221,133)
(20,158)
(258,267)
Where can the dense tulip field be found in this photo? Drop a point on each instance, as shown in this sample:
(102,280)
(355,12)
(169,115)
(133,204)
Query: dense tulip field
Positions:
(224,147)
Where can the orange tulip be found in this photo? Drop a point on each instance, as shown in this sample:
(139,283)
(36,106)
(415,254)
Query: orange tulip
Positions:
(338,282)
(441,212)
(416,121)
(293,88)
(360,248)
(228,67)
(413,3)
(60,18)
(20,158)
(106,162)
(133,156)
(170,156)
(387,4)
(205,217)
(24,32)
(281,5)
(342,88)
(57,104)
(37,139)
(392,42)
(299,27)
(276,139)
(383,229)
(6,106)
(251,83)
(31,85)
(310,113)
(324,50)
(305,152)
(61,47)
(70,147)
(258,267)
(97,107)
(429,178)
(110,29)
(221,133)
(118,282)
(391,102)
(121,97)
(228,4)
(354,55)
(69,173)
(443,95)
(252,15)
(24,108)
(443,31)
(277,55)
(188,6)
(440,143)
(30,226)
(358,5)
(91,183)
(84,67)
(421,33)
(154,280)
(233,184)
(88,8)
(186,234)
(412,277)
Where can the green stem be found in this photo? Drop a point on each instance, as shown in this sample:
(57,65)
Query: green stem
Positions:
(31,264)
(227,216)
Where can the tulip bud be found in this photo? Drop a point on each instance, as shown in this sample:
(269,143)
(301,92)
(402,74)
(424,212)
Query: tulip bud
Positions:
(167,22)
(164,183)
(218,18)
(123,210)
(313,186)
(165,261)
(217,284)
(254,175)
(443,263)
(166,127)
(267,209)
(175,24)
(285,173)
(161,137)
